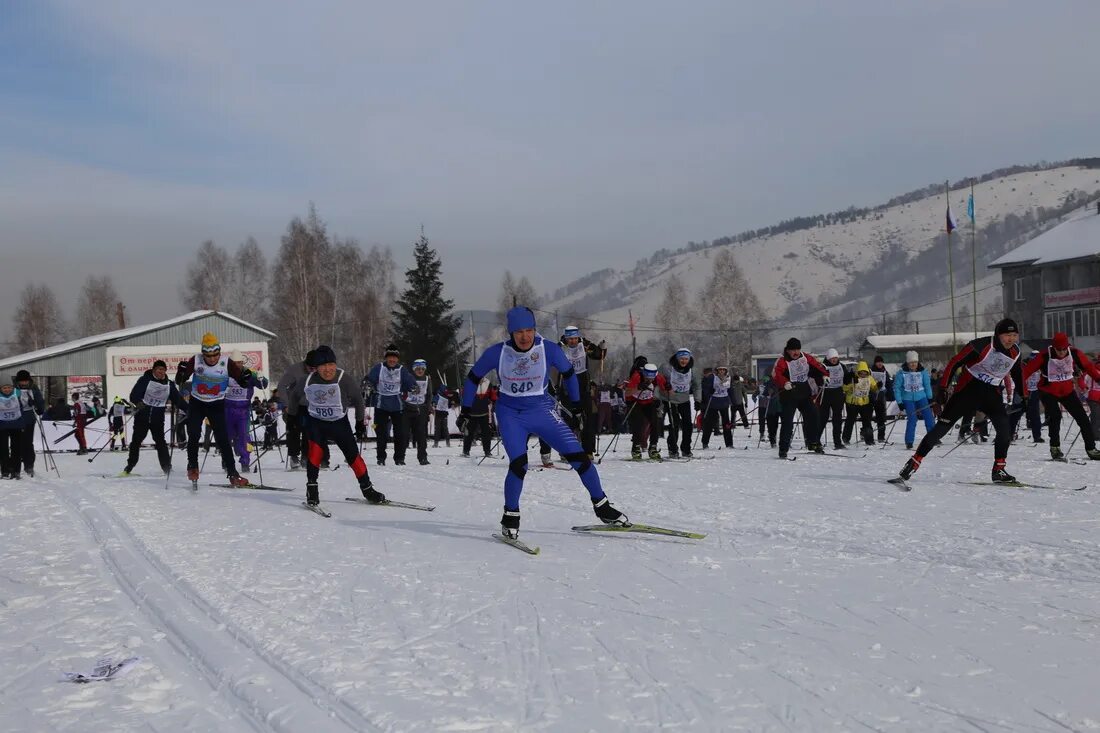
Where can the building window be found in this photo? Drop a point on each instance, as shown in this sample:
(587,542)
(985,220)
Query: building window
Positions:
(1086,322)
(1058,321)
(1019,289)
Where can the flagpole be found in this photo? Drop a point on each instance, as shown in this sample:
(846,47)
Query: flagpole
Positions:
(950,265)
(633,340)
(973,252)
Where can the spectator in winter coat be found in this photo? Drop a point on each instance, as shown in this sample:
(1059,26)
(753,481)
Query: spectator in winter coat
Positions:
(860,393)
(913,391)
(738,398)
(477,420)
(442,409)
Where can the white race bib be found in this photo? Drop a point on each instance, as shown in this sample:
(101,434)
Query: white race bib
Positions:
(208,383)
(721,389)
(522,374)
(912,382)
(1060,370)
(680,381)
(389,381)
(835,379)
(325,401)
(418,397)
(799,369)
(442,404)
(993,368)
(156,394)
(235,392)
(10,408)
(577,357)
(862,388)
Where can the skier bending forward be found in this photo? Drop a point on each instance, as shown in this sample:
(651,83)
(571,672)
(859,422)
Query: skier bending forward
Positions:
(523,365)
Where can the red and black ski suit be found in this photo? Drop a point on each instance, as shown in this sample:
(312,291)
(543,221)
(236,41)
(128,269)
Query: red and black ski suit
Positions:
(1056,387)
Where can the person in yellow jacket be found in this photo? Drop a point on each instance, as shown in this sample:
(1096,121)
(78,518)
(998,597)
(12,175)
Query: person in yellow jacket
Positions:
(859,391)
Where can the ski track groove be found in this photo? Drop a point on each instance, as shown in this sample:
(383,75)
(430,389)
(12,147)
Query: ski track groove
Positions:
(199,641)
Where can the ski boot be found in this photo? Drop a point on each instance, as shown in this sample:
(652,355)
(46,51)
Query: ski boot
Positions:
(239,482)
(29,472)
(313,498)
(5,477)
(399,461)
(910,467)
(126,472)
(999,475)
(636,453)
(908,446)
(192,474)
(293,464)
(424,462)
(370,494)
(1056,453)
(466,454)
(1093,454)
(674,454)
(686,453)
(816,448)
(166,468)
(654,454)
(609,514)
(509,524)
(547,461)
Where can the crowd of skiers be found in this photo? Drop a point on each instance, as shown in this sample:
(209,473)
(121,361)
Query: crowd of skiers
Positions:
(543,389)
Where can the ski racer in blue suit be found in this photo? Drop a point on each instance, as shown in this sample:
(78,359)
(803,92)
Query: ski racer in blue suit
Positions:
(525,408)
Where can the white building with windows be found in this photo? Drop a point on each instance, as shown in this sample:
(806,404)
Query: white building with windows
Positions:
(1052,283)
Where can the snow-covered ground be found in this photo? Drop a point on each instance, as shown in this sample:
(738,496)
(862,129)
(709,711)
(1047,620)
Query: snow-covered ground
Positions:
(822,599)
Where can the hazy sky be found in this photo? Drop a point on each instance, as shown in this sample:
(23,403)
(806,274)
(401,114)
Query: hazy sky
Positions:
(547,138)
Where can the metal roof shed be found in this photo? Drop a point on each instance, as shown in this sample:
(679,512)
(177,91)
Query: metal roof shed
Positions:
(92,356)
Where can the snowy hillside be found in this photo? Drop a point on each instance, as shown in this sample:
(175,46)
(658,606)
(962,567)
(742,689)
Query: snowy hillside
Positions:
(802,268)
(822,599)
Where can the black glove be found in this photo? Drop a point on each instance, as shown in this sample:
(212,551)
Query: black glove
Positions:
(361,432)
(576,411)
(463,418)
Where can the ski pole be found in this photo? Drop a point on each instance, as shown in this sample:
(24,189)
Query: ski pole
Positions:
(106,442)
(493,449)
(259,468)
(172,449)
(45,446)
(1066,454)
(611,445)
(706,411)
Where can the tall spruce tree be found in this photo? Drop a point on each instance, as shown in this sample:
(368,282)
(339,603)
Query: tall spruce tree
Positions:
(424,324)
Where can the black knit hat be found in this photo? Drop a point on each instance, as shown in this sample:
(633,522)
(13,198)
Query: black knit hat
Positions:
(1006,325)
(159,363)
(793,344)
(22,376)
(392,350)
(322,355)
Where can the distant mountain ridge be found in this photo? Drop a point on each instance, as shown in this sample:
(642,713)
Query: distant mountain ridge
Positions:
(808,264)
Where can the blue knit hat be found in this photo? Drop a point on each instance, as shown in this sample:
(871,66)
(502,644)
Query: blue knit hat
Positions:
(519,318)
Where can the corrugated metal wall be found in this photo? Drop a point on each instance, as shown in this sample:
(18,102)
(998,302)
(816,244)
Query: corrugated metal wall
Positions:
(93,360)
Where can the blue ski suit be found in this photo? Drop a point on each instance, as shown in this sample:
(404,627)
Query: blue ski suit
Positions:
(525,408)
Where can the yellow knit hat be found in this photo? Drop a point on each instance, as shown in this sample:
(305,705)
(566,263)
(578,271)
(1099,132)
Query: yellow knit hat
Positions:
(210,343)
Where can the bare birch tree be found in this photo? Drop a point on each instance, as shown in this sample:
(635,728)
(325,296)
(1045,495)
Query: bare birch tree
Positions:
(97,311)
(301,289)
(208,278)
(38,319)
(515,292)
(675,314)
(729,306)
(247,294)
